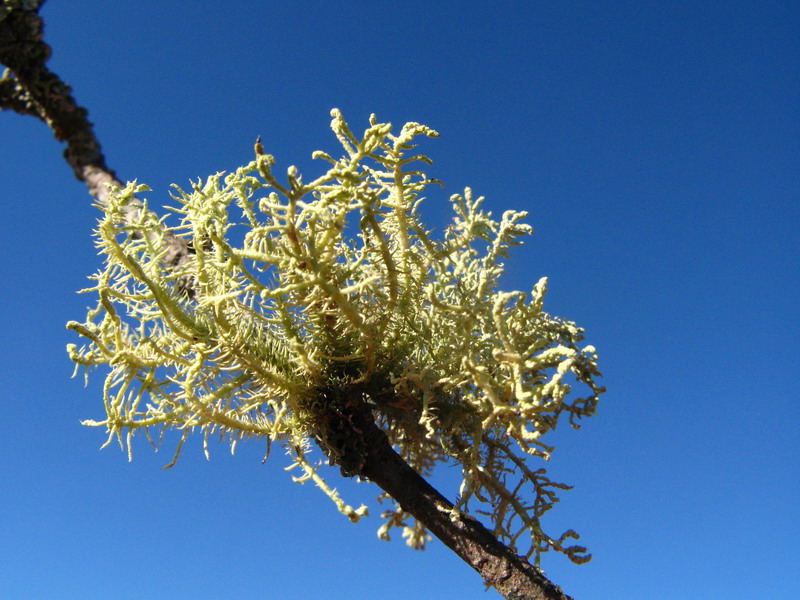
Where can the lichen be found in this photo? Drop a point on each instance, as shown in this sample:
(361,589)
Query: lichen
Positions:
(301,288)
(6,6)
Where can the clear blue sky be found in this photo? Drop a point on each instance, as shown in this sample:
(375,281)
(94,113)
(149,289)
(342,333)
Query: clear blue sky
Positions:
(656,146)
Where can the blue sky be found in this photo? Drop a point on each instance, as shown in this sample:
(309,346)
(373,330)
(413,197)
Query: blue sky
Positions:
(655,146)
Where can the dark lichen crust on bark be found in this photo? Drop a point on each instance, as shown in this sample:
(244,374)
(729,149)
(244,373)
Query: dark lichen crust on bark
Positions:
(29,87)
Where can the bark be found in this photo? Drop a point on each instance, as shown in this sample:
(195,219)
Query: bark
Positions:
(347,431)
(348,434)
(30,88)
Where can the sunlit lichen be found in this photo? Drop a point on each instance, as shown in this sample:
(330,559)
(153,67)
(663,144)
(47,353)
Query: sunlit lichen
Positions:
(332,281)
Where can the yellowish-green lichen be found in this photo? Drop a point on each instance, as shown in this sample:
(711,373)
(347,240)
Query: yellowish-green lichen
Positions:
(299,286)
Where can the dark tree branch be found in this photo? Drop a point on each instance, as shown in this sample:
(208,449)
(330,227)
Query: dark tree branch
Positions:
(350,437)
(41,92)
(15,97)
(30,88)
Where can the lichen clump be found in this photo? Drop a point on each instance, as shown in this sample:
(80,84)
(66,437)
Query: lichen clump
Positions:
(297,287)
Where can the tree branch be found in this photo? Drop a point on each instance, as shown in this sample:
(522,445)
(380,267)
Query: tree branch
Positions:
(353,441)
(28,87)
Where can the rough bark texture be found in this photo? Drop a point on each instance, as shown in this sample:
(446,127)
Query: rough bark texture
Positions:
(352,440)
(29,87)
(349,435)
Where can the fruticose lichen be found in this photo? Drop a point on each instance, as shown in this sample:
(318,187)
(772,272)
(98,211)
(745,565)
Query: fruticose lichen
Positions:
(338,278)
